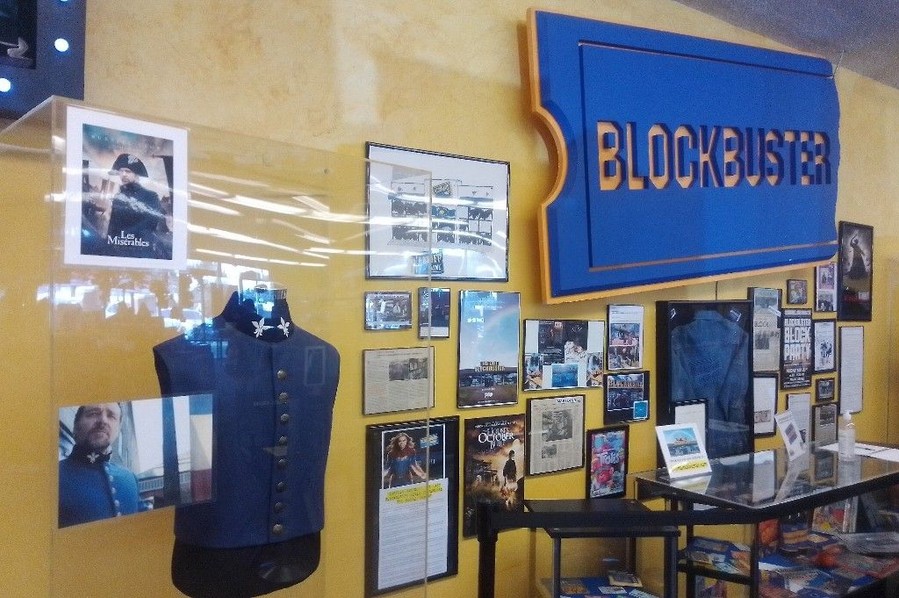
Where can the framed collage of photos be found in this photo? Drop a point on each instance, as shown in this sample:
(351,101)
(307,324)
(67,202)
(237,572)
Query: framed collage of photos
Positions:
(555,434)
(465,236)
(855,272)
(412,496)
(826,287)
(627,397)
(488,348)
(563,354)
(607,453)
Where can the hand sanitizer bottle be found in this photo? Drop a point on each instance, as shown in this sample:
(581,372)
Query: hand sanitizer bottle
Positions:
(846,437)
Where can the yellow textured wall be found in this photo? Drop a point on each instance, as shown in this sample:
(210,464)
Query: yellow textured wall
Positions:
(443,76)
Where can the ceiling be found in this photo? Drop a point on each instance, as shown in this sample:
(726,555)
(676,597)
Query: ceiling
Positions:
(860,35)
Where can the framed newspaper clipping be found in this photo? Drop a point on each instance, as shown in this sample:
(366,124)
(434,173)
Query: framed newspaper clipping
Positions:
(555,434)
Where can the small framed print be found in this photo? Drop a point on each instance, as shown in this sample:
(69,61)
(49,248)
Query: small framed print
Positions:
(764,398)
(625,346)
(447,220)
(555,434)
(607,451)
(797,291)
(826,287)
(825,389)
(397,379)
(824,423)
(627,397)
(854,275)
(388,310)
(824,343)
(563,354)
(433,312)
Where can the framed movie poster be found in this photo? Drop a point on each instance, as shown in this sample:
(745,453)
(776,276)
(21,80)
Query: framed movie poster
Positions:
(555,434)
(826,287)
(765,329)
(433,312)
(488,348)
(704,352)
(825,389)
(824,339)
(388,310)
(627,397)
(856,267)
(607,452)
(764,400)
(494,466)
(397,379)
(126,192)
(411,502)
(797,291)
(796,365)
(625,346)
(563,354)
(466,234)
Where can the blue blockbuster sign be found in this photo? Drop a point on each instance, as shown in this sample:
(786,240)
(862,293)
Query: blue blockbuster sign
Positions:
(680,158)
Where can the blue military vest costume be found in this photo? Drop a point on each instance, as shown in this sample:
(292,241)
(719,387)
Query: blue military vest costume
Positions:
(272,412)
(92,488)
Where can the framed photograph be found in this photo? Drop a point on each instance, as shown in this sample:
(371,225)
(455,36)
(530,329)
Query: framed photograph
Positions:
(493,470)
(607,451)
(488,348)
(796,364)
(388,310)
(627,397)
(764,400)
(824,340)
(126,192)
(824,423)
(433,312)
(463,237)
(852,367)
(797,291)
(625,346)
(825,389)
(855,273)
(41,53)
(563,354)
(397,379)
(411,500)
(555,434)
(826,287)
(800,403)
(766,316)
(704,352)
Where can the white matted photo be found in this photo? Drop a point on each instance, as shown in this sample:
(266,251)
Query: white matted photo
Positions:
(126,192)
(683,450)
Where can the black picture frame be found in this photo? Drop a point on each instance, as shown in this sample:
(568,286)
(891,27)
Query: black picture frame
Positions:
(855,272)
(797,291)
(826,288)
(688,334)
(825,389)
(607,451)
(797,347)
(824,345)
(626,397)
(52,72)
(436,441)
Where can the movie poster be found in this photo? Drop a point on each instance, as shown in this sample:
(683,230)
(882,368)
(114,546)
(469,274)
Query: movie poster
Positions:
(494,465)
(488,348)
(796,369)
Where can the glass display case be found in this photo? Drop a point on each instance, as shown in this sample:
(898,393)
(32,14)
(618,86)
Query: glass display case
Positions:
(186,311)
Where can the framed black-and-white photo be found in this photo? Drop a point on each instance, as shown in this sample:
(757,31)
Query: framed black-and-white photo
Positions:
(765,329)
(625,346)
(388,310)
(397,379)
(627,397)
(555,434)
(824,423)
(126,192)
(451,225)
(797,291)
(796,349)
(607,452)
(488,348)
(411,501)
(563,354)
(433,312)
(704,352)
(826,287)
(855,272)
(825,389)
(764,400)
(824,341)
